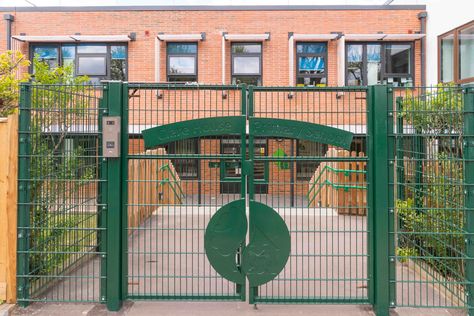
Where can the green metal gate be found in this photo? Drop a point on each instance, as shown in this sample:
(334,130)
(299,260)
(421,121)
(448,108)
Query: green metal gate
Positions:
(265,194)
(329,257)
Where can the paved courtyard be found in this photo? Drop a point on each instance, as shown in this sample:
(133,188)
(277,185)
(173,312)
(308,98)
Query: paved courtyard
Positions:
(166,256)
(141,308)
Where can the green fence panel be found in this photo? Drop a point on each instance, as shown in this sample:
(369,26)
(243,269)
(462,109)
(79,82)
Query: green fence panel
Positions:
(431,255)
(60,204)
(24,185)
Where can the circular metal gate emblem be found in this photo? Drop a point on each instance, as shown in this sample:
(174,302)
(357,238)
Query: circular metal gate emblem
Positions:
(267,252)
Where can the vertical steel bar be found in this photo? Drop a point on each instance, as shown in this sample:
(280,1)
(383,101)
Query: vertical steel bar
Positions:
(114,213)
(378,104)
(24,152)
(370,196)
(391,192)
(250,175)
(468,144)
(400,152)
(419,156)
(102,201)
(124,183)
(243,189)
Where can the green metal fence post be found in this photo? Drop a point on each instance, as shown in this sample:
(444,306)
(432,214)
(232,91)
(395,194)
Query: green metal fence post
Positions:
(378,114)
(468,150)
(113,90)
(24,152)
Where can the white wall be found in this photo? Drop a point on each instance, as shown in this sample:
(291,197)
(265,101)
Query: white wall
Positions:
(443,15)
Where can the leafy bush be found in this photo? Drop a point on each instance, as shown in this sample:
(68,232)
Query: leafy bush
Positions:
(433,227)
(59,100)
(434,234)
(437,112)
(10,64)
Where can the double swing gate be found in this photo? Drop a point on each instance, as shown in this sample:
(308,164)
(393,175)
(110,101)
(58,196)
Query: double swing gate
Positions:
(354,195)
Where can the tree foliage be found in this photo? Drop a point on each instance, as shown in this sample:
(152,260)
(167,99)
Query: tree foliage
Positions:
(11,63)
(59,100)
(434,227)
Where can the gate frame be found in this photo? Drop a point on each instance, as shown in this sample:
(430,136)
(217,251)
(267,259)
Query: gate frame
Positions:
(377,105)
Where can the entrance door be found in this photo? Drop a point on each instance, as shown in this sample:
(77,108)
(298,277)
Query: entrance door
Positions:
(231,170)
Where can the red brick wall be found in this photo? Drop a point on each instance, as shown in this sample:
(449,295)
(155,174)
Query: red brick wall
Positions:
(147,24)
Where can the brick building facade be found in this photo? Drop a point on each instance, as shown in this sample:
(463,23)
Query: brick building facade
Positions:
(270,46)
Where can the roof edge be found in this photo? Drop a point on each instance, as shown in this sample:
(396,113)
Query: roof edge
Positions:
(213,8)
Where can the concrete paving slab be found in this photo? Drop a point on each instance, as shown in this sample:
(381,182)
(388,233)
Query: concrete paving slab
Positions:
(161,308)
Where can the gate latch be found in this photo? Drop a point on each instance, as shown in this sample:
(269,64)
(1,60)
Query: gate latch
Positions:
(111,136)
(247,168)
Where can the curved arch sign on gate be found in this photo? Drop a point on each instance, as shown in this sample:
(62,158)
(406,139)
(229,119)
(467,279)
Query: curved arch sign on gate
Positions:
(267,252)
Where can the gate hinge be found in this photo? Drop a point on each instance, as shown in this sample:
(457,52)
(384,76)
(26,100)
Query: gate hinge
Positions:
(247,167)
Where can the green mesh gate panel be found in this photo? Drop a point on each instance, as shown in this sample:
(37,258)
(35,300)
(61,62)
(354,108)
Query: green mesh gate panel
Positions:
(431,232)
(320,191)
(59,196)
(175,188)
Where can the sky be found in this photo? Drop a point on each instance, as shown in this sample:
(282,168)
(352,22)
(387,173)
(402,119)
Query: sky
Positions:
(30,3)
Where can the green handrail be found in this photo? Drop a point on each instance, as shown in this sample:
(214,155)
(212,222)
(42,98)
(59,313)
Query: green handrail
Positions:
(345,187)
(175,180)
(180,196)
(347,172)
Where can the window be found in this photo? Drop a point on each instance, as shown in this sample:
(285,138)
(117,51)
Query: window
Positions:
(182,62)
(48,54)
(372,63)
(447,58)
(311,64)
(359,144)
(247,63)
(306,169)
(466,53)
(186,168)
(456,55)
(97,61)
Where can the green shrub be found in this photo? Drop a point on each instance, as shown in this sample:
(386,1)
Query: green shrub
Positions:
(58,99)
(404,253)
(10,66)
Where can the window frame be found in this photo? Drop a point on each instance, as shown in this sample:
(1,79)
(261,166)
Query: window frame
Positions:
(440,39)
(31,50)
(383,59)
(171,149)
(298,176)
(195,55)
(324,55)
(108,56)
(259,55)
(456,52)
